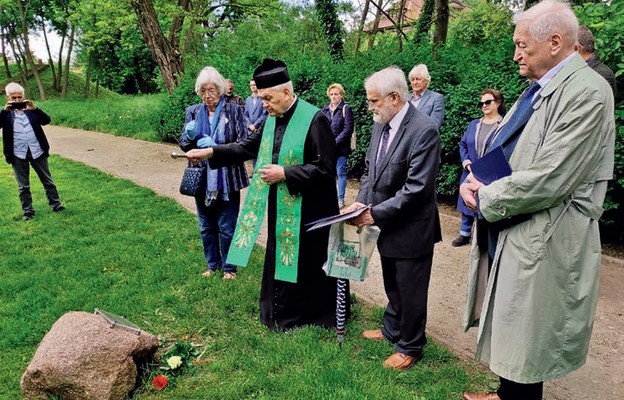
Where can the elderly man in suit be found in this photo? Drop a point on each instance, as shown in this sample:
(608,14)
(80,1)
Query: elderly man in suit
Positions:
(399,183)
(425,100)
(534,275)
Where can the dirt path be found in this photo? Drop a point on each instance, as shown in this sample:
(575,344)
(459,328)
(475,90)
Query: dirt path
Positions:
(150,165)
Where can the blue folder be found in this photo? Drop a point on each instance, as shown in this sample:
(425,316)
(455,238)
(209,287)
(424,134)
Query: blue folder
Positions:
(491,167)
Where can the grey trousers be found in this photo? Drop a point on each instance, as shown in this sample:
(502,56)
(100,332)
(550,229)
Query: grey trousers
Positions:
(22,175)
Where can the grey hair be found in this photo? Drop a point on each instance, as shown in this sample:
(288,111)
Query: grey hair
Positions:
(420,70)
(288,85)
(586,39)
(388,80)
(548,17)
(210,75)
(13,88)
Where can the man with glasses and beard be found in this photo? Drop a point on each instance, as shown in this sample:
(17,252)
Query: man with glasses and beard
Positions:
(399,183)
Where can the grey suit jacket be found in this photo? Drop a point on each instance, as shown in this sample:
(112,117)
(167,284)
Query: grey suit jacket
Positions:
(432,104)
(402,189)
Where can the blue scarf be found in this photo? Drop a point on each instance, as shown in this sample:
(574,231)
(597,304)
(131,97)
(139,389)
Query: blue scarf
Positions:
(216,178)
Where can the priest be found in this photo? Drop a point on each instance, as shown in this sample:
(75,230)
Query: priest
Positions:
(296,176)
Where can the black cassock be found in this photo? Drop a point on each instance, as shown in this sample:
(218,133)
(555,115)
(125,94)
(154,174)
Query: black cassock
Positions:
(312,300)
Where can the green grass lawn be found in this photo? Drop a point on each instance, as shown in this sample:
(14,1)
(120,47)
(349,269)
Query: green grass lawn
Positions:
(123,249)
(131,116)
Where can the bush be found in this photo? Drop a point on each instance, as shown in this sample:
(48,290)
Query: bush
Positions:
(478,55)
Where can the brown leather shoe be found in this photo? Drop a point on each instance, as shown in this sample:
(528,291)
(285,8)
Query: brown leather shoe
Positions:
(480,396)
(401,362)
(373,334)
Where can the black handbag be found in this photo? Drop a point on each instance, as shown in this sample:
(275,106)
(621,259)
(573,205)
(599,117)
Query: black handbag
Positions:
(193,180)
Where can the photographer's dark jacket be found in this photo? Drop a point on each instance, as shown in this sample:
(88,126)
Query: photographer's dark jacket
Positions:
(37,119)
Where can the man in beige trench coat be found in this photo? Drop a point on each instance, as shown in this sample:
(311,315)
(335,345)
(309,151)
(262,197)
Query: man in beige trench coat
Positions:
(533,281)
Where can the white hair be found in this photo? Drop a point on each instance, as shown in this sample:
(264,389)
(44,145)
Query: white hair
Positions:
(210,75)
(13,87)
(420,70)
(549,17)
(288,85)
(388,80)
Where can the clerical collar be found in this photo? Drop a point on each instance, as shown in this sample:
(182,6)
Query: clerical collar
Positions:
(290,109)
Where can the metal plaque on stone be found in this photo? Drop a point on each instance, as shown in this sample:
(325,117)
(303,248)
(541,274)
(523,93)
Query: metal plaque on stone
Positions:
(118,320)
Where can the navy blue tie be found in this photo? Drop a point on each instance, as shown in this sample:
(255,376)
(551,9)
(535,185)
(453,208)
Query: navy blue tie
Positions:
(510,133)
(383,148)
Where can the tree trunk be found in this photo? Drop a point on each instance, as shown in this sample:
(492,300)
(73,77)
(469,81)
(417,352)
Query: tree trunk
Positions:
(441,23)
(361,25)
(373,32)
(88,75)
(67,62)
(424,21)
(23,75)
(28,53)
(60,60)
(188,41)
(50,61)
(177,23)
(5,59)
(332,28)
(166,56)
(400,24)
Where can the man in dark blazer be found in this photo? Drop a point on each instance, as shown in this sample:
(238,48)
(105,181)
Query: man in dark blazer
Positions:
(25,145)
(425,100)
(399,183)
(254,111)
(586,49)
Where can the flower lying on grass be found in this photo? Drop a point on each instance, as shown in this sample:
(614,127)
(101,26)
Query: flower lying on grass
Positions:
(160,382)
(179,356)
(174,362)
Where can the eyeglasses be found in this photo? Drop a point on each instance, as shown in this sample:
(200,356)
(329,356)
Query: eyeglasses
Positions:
(212,92)
(373,102)
(485,103)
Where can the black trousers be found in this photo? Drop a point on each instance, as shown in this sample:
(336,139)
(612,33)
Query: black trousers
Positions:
(510,390)
(406,282)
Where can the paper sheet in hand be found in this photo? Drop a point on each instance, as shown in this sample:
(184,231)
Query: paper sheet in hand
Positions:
(334,219)
(491,167)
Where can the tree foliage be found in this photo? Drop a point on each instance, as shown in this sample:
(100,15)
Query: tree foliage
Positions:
(326,11)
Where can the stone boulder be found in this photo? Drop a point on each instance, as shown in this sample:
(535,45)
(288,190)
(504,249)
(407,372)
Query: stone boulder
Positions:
(84,358)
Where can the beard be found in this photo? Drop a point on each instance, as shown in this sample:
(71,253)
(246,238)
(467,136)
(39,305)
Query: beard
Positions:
(383,115)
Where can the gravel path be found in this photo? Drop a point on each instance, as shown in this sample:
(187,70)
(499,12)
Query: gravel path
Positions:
(150,165)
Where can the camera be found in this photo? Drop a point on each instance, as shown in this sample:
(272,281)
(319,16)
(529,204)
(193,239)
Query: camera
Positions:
(18,105)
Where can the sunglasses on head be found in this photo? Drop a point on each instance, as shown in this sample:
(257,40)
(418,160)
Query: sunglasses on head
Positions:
(487,103)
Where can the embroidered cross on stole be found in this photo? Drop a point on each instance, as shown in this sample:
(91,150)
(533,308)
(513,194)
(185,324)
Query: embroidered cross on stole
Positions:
(288,219)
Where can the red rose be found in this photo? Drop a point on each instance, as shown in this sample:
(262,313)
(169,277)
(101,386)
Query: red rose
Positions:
(160,382)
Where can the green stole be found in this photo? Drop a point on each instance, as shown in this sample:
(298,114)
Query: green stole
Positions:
(288,219)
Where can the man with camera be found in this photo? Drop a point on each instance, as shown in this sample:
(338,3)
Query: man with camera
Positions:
(25,145)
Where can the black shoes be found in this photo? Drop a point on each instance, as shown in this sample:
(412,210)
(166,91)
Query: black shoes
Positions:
(28,217)
(460,241)
(58,209)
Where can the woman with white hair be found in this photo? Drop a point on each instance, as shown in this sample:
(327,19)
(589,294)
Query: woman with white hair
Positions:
(425,100)
(215,121)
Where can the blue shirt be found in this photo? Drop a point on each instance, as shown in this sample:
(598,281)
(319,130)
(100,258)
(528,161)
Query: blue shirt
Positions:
(24,137)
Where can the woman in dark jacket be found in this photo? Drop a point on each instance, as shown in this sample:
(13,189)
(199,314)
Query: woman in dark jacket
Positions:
(341,118)
(472,147)
(214,121)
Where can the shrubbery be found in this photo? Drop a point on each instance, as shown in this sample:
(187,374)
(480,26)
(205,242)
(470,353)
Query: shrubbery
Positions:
(478,55)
